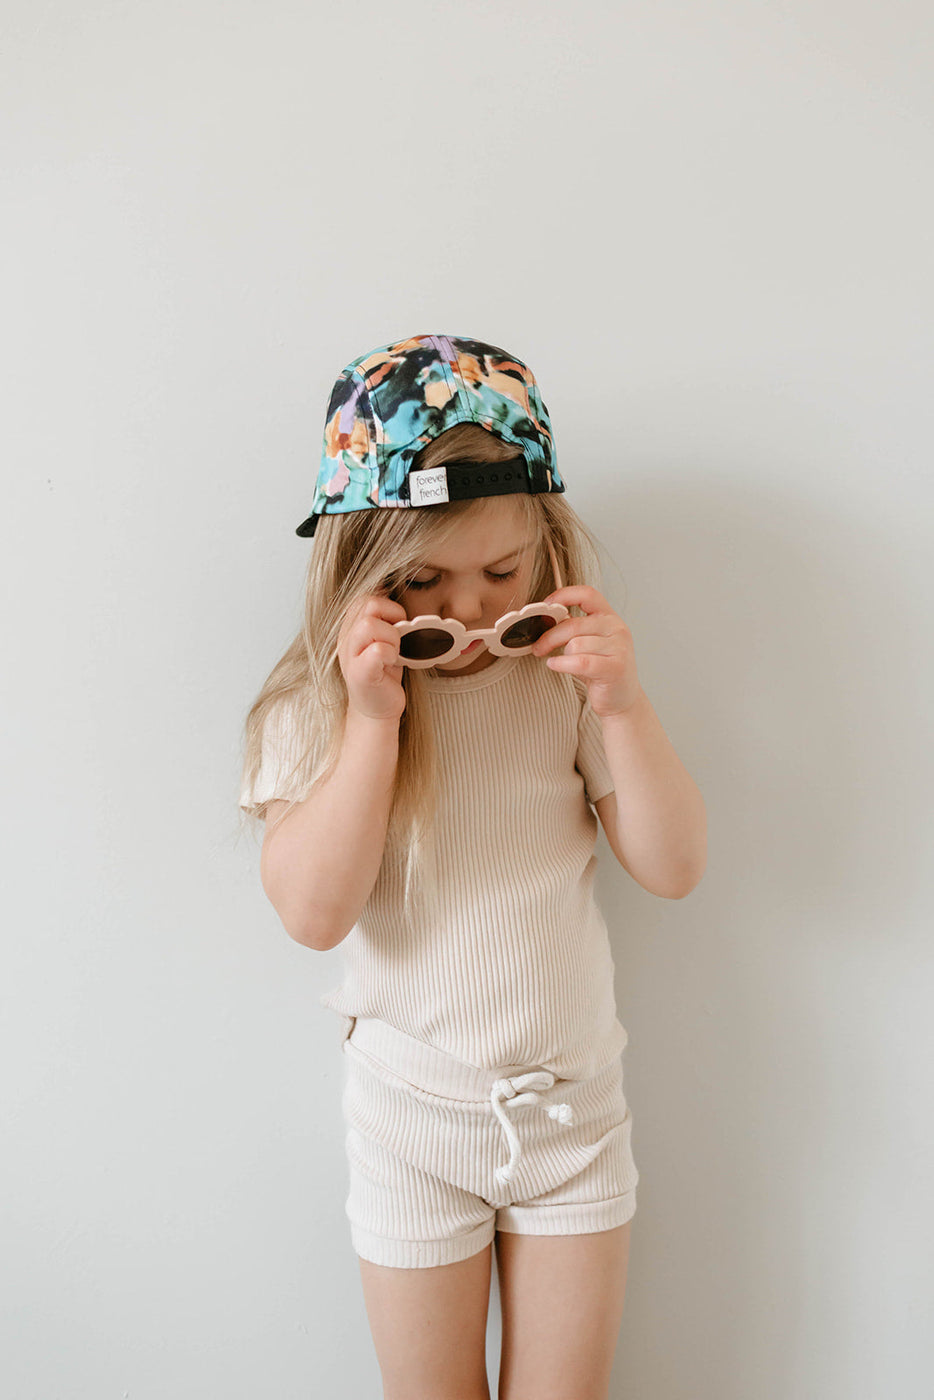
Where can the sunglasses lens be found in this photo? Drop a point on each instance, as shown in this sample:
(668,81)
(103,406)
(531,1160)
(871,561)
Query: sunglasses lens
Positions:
(425,644)
(524,633)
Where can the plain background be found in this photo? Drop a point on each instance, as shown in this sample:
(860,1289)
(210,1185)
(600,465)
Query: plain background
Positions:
(707,227)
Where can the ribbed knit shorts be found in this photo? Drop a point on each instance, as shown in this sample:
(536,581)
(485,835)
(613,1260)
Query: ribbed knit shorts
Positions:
(442,1154)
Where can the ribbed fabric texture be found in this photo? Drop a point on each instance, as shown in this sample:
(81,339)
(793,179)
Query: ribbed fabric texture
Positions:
(508,963)
(441,1155)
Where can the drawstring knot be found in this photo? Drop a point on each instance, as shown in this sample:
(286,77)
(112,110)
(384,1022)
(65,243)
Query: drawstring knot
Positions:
(562,1112)
(523,1088)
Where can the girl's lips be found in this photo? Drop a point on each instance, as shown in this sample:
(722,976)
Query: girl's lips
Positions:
(473,646)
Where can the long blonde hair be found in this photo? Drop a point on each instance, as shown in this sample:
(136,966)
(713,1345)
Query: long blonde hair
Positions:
(376,551)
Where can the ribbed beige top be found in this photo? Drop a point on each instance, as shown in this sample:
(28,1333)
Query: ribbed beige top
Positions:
(508,962)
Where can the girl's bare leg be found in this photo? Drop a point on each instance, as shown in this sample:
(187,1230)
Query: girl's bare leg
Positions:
(429,1328)
(561,1298)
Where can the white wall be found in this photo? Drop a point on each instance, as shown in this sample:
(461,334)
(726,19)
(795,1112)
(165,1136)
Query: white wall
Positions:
(708,229)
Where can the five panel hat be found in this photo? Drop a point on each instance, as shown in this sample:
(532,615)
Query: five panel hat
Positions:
(388,404)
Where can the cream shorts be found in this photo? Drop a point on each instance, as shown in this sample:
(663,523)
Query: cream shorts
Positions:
(442,1154)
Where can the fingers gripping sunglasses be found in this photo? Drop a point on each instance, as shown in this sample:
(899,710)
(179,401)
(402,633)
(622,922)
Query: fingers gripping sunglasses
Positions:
(428,639)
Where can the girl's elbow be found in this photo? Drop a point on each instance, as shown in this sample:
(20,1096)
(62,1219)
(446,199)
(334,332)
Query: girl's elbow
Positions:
(688,885)
(321,938)
(318,939)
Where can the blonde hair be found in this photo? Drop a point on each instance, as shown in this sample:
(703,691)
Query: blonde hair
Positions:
(376,551)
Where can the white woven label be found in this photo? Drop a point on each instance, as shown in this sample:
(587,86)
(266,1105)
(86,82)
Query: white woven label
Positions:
(429,488)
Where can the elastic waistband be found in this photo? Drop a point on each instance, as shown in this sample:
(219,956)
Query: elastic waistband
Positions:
(431,1069)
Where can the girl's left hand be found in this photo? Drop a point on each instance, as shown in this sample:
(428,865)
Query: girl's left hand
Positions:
(598,648)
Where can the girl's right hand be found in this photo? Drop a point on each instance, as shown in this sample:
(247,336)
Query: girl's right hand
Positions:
(368,651)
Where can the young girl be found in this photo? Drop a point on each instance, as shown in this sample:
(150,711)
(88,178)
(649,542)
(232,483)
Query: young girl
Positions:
(431,756)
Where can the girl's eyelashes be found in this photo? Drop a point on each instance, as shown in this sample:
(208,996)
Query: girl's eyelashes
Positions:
(430,583)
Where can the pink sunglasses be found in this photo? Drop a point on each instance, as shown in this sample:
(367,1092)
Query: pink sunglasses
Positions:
(428,639)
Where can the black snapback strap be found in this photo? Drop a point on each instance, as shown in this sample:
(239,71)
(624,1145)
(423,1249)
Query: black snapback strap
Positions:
(464,481)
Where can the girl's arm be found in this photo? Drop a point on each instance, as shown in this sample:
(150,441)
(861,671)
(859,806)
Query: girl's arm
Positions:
(320,862)
(656,822)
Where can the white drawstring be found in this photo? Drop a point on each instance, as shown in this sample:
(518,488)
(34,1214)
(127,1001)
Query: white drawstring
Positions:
(510,1090)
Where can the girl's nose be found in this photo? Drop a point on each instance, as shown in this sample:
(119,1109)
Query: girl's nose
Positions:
(465,606)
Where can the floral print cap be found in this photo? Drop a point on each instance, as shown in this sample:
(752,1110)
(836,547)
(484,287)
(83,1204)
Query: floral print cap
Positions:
(389,403)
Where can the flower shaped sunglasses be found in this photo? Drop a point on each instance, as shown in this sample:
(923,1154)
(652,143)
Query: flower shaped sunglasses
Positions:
(428,639)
